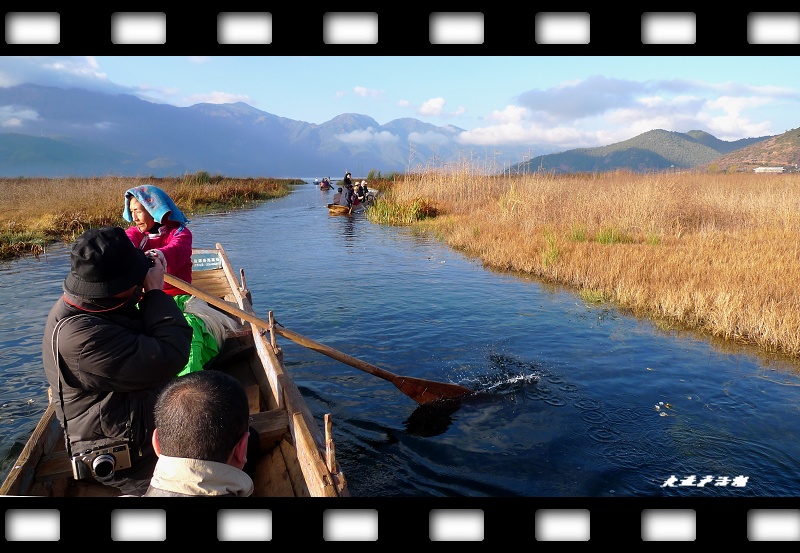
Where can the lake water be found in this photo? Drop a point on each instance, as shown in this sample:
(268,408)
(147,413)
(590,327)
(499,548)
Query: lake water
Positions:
(574,400)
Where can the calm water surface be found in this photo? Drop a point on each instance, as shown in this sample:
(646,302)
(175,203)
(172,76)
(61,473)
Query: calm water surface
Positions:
(575,400)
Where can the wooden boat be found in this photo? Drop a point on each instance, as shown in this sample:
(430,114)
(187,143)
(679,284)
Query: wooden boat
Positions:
(297,459)
(336,209)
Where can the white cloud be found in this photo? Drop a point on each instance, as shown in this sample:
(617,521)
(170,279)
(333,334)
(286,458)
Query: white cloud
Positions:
(365,136)
(432,107)
(511,114)
(16,116)
(217,97)
(598,111)
(366,92)
(518,134)
(731,104)
(63,71)
(429,138)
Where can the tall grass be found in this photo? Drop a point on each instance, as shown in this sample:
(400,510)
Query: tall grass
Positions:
(35,212)
(717,253)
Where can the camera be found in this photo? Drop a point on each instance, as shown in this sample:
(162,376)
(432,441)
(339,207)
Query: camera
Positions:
(151,257)
(101,461)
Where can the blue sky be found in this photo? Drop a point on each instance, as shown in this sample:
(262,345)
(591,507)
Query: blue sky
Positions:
(548,103)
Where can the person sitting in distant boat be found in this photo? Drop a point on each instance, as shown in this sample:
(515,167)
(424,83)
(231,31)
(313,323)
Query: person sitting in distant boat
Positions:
(159,229)
(347,196)
(316,181)
(202,438)
(361,192)
(338,196)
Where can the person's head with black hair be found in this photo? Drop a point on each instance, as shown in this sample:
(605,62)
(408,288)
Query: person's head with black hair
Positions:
(203,415)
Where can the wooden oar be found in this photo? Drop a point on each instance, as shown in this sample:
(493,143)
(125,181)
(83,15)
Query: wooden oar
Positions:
(420,390)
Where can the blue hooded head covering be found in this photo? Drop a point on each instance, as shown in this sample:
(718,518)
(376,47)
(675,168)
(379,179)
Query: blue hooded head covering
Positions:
(156,202)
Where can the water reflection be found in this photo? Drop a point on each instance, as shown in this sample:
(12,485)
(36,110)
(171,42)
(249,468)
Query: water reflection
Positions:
(432,419)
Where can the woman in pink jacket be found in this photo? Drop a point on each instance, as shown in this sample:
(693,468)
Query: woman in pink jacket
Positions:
(159,229)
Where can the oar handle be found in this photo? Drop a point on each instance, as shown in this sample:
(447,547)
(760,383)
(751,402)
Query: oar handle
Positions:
(335,354)
(286,333)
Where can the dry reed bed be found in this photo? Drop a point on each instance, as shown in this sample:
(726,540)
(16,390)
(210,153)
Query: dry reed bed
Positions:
(36,211)
(716,253)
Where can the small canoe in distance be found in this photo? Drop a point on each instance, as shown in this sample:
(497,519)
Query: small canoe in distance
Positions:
(297,459)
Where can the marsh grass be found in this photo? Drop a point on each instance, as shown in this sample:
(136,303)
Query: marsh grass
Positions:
(716,253)
(36,212)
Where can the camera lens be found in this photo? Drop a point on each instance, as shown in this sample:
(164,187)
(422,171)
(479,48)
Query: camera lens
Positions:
(103,465)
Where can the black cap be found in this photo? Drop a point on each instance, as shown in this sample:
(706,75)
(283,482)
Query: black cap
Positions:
(104,262)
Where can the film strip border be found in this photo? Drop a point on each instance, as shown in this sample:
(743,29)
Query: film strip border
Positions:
(399,31)
(400,521)
(296,30)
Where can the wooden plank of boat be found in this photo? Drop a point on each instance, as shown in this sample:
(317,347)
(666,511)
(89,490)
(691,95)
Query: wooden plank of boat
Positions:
(336,209)
(296,459)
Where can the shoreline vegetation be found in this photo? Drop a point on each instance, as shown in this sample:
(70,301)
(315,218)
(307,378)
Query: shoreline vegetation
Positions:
(715,253)
(37,212)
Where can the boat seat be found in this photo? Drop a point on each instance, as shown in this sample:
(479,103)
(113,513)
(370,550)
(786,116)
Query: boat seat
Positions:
(271,426)
(212,281)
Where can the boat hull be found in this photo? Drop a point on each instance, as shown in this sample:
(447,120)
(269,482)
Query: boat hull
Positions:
(336,209)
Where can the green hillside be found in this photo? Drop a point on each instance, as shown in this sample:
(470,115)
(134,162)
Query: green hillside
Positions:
(655,150)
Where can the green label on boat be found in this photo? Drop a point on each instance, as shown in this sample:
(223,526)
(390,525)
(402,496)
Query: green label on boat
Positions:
(205,261)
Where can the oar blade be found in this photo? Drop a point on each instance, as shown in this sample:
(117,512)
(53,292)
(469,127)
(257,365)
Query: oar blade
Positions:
(425,392)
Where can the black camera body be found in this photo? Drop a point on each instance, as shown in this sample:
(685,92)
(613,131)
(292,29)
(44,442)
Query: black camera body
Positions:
(101,461)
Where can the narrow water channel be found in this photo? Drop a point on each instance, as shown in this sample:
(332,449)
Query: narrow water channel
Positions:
(575,400)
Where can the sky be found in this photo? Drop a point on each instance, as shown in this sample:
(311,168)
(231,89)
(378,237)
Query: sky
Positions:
(549,103)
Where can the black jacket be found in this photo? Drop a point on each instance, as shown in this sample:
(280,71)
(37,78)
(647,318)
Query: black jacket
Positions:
(113,364)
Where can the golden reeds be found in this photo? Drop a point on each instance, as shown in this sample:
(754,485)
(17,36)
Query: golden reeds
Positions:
(717,253)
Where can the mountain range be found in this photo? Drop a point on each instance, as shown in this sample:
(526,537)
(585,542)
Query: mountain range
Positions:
(56,132)
(656,150)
